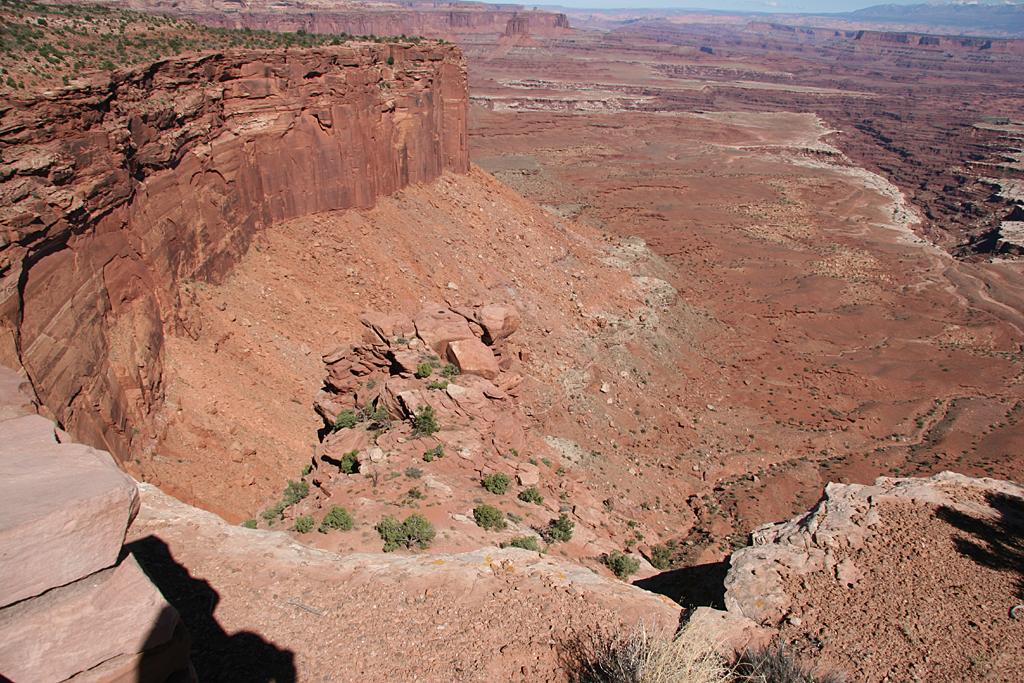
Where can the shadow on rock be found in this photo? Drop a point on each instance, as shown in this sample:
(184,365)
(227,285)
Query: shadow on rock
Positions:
(216,655)
(702,585)
(997,542)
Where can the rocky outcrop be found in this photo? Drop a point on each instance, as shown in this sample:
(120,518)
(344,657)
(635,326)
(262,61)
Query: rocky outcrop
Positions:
(118,195)
(759,583)
(71,607)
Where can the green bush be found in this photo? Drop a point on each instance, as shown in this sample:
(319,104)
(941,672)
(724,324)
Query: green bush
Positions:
(303,524)
(294,492)
(424,370)
(621,565)
(337,518)
(496,483)
(531,495)
(424,423)
(415,493)
(661,555)
(307,469)
(433,453)
(438,384)
(558,530)
(414,532)
(450,371)
(524,542)
(489,517)
(273,513)
(346,420)
(249,524)
(349,463)
(413,472)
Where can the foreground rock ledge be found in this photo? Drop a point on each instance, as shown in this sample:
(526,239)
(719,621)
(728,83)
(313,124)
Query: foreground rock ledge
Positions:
(485,615)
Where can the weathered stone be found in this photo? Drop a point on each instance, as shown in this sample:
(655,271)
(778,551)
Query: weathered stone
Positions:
(65,509)
(438,326)
(498,320)
(473,358)
(83,624)
(15,395)
(527,474)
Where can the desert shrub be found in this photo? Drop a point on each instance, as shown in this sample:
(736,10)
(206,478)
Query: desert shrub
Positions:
(640,656)
(489,517)
(273,513)
(661,555)
(450,370)
(349,463)
(438,384)
(413,472)
(424,370)
(496,483)
(558,530)
(377,416)
(249,524)
(303,524)
(622,565)
(337,518)
(414,532)
(524,542)
(391,60)
(431,454)
(294,492)
(307,469)
(415,493)
(531,495)
(424,422)
(346,420)
(775,664)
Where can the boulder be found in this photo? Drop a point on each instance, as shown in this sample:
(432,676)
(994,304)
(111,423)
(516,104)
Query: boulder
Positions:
(76,627)
(473,358)
(387,327)
(438,326)
(65,509)
(498,320)
(527,474)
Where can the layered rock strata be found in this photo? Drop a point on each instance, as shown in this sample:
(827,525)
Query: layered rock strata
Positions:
(71,606)
(117,195)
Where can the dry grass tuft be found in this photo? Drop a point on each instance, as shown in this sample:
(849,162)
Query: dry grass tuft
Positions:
(642,656)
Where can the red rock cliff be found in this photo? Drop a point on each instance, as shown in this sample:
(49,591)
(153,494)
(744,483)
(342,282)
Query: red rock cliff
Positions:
(114,196)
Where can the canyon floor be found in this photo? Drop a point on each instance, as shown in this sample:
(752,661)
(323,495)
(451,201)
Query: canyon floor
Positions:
(745,263)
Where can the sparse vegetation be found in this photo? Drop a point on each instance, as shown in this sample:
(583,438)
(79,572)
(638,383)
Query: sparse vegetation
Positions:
(294,492)
(449,371)
(43,44)
(346,419)
(438,384)
(496,483)
(424,370)
(249,524)
(661,555)
(558,530)
(413,472)
(414,532)
(337,518)
(273,513)
(531,495)
(775,664)
(349,463)
(434,453)
(524,542)
(622,565)
(424,422)
(489,517)
(303,524)
(642,656)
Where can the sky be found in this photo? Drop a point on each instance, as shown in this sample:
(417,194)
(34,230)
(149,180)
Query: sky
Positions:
(811,6)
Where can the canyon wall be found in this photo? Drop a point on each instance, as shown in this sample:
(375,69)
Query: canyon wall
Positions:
(117,197)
